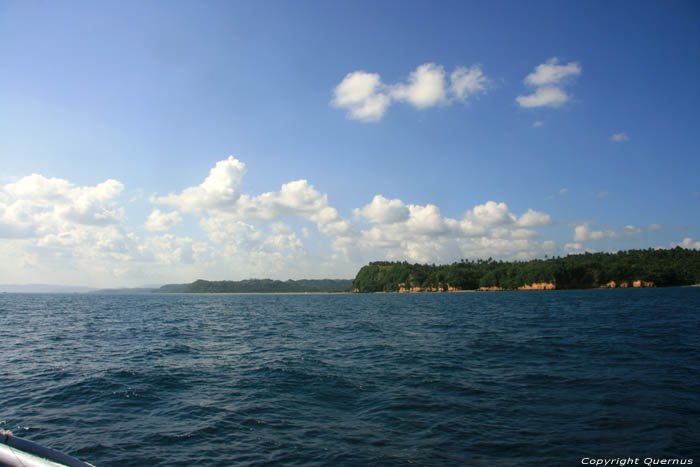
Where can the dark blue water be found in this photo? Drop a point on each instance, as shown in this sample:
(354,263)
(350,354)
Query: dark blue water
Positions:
(523,378)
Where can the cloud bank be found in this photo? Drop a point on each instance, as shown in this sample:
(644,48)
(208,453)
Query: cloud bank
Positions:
(51,224)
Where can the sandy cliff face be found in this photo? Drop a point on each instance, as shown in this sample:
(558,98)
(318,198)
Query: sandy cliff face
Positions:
(493,288)
(538,286)
(442,288)
(639,284)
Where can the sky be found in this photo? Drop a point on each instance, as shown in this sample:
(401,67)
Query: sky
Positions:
(144,143)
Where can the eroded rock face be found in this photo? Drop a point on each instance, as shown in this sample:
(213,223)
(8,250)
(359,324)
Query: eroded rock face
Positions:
(442,288)
(538,286)
(638,284)
(493,288)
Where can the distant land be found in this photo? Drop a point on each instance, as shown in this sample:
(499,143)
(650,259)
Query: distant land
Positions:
(633,269)
(44,288)
(260,286)
(125,291)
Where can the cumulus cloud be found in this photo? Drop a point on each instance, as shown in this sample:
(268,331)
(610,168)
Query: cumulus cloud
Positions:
(219,191)
(583,233)
(34,205)
(169,250)
(235,220)
(363,95)
(548,79)
(159,221)
(423,234)
(534,219)
(619,137)
(545,96)
(366,98)
(467,82)
(551,72)
(688,243)
(491,214)
(297,198)
(425,87)
(383,211)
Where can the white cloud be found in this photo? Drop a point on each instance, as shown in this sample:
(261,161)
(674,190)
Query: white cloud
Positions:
(35,205)
(548,79)
(159,221)
(383,211)
(467,82)
(367,98)
(490,214)
(425,87)
(169,249)
(545,96)
(619,137)
(537,124)
(534,219)
(241,235)
(363,94)
(576,247)
(563,191)
(631,230)
(583,233)
(296,198)
(655,227)
(687,243)
(219,190)
(489,229)
(551,72)
(220,194)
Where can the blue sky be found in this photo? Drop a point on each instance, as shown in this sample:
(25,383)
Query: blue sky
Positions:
(358,131)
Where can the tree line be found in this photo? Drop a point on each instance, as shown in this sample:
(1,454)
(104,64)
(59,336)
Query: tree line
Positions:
(663,268)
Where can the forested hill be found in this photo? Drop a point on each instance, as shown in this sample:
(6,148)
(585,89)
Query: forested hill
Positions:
(658,268)
(260,286)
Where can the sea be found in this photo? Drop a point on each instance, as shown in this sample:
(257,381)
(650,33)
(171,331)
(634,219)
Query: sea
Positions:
(542,378)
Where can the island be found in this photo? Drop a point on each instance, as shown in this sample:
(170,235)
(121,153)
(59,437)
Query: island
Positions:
(624,269)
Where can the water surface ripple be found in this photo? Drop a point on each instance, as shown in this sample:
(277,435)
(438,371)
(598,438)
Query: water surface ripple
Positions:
(536,378)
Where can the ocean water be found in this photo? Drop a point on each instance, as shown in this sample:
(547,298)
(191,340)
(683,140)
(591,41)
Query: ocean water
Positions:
(483,379)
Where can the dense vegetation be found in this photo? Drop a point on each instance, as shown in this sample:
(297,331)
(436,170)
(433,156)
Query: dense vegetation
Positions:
(664,268)
(260,286)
